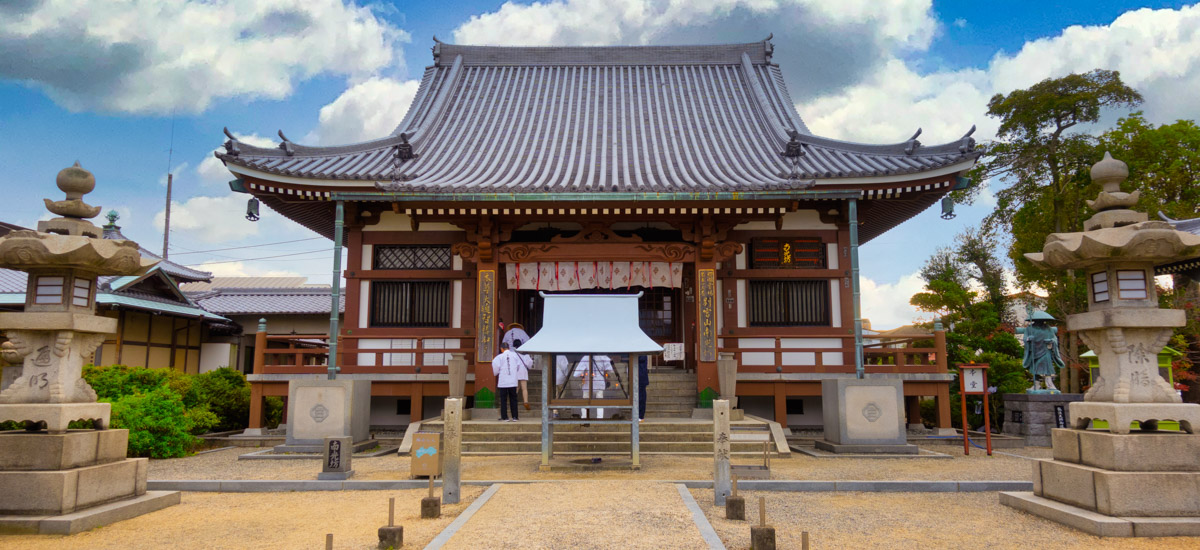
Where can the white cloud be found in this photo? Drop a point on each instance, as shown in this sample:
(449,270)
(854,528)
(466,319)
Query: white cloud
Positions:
(960,23)
(886,304)
(212,171)
(162,180)
(212,219)
(368,110)
(587,22)
(148,56)
(241,269)
(1156,51)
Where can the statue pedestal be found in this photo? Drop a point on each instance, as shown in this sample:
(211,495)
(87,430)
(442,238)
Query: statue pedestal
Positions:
(1113,485)
(1033,415)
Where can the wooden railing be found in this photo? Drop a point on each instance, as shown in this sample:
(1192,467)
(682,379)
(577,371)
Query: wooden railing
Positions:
(309,354)
(879,357)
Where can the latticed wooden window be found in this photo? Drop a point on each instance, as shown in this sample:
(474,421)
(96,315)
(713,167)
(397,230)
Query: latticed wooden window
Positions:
(412,257)
(789,303)
(410,303)
(788,253)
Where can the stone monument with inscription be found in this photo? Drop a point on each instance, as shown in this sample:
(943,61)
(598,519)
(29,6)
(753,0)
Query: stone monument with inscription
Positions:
(864,415)
(1114,482)
(54,479)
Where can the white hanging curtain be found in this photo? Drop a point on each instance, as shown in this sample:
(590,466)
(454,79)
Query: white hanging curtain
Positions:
(585,275)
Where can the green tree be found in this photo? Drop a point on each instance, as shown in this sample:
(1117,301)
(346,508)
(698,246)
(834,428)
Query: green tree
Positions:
(1042,155)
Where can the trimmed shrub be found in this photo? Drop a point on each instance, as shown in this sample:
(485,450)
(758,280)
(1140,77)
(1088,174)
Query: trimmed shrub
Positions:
(226,393)
(273,411)
(159,425)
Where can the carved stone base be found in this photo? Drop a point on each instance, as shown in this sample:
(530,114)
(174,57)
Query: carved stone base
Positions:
(57,415)
(1148,415)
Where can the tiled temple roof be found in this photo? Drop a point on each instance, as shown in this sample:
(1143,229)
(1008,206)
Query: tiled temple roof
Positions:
(599,119)
(262,301)
(181,273)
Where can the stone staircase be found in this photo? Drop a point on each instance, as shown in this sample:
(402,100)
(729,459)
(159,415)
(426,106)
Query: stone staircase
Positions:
(657,436)
(671,394)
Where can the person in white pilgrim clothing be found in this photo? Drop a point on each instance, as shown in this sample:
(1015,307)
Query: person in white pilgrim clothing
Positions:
(596,369)
(515,332)
(523,372)
(506,367)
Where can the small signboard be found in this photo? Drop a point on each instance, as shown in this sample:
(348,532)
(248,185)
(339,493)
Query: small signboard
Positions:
(427,454)
(1060,416)
(973,380)
(672,352)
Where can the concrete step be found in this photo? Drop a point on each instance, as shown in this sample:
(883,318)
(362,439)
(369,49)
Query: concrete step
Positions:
(491,447)
(578,437)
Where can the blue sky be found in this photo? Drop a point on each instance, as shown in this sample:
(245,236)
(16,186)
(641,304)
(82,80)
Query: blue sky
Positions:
(145,81)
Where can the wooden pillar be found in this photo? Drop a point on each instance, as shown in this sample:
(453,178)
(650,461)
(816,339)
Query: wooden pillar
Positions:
(257,410)
(943,407)
(912,409)
(120,335)
(781,404)
(707,309)
(260,346)
(417,404)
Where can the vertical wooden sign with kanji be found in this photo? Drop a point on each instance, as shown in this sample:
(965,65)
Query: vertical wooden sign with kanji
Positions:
(486,319)
(706,284)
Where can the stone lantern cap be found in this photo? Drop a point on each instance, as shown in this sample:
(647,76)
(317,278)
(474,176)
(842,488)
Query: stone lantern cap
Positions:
(70,241)
(1115,233)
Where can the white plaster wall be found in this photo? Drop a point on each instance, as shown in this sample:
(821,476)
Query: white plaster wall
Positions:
(740,263)
(391,221)
(457,290)
(800,219)
(831,253)
(368,256)
(835,303)
(216,355)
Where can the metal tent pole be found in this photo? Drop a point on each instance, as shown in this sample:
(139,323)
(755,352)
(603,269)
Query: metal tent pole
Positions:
(336,284)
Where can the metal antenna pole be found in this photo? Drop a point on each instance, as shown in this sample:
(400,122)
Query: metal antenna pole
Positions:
(858,337)
(336,284)
(167,219)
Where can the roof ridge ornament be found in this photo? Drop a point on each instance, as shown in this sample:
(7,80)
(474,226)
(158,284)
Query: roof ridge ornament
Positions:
(966,143)
(912,144)
(792,154)
(286,144)
(404,153)
(231,145)
(768,47)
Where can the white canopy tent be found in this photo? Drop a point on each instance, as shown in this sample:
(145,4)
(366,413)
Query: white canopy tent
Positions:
(591,324)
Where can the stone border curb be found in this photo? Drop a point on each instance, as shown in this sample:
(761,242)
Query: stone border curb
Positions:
(269,454)
(706,529)
(270,486)
(462,519)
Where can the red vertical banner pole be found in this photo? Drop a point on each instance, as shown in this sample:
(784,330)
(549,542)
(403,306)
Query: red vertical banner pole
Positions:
(962,395)
(987,414)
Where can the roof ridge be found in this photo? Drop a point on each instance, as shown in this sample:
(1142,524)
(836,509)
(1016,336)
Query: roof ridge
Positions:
(613,54)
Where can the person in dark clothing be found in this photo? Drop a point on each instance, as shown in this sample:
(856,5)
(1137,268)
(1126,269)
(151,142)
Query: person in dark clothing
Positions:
(643,381)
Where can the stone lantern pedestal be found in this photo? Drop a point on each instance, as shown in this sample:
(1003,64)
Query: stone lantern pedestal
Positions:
(1114,482)
(53,479)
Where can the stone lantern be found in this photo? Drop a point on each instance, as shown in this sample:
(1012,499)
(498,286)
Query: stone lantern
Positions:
(1113,482)
(55,480)
(1118,251)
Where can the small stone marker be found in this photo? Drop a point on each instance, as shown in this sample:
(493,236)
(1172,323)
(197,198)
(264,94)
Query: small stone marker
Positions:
(336,458)
(392,535)
(329,541)
(720,451)
(735,505)
(451,450)
(431,506)
(762,536)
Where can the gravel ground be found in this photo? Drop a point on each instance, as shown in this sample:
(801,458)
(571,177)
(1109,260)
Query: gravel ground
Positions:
(582,515)
(263,520)
(908,520)
(1004,465)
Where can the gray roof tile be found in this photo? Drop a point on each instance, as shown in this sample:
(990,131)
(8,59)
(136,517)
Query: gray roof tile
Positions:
(597,119)
(244,301)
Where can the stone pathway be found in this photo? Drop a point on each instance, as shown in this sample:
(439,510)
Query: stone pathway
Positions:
(582,515)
